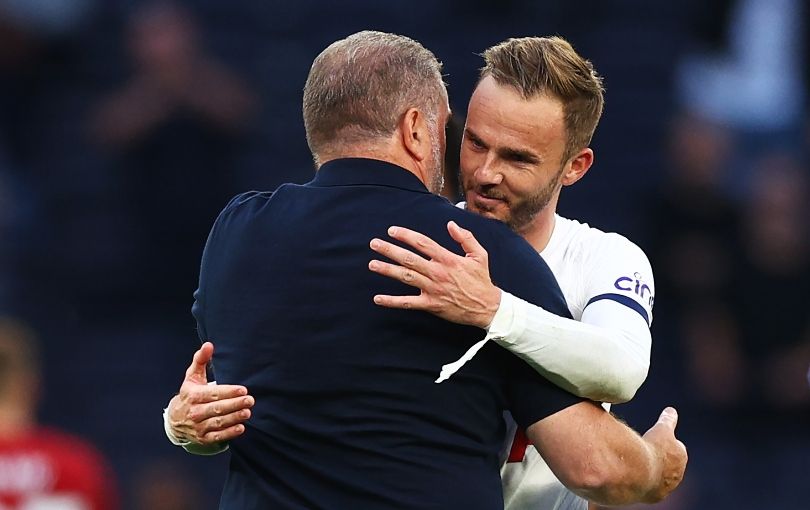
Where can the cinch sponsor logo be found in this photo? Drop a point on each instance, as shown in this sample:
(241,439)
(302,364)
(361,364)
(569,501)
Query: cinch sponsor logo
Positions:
(635,285)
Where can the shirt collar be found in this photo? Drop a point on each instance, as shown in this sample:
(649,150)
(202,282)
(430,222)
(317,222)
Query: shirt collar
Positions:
(356,171)
(556,238)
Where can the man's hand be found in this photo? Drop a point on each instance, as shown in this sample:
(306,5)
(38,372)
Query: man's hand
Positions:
(455,288)
(207,414)
(670,451)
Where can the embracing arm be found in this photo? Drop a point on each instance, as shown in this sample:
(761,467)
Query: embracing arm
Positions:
(604,461)
(203,417)
(603,357)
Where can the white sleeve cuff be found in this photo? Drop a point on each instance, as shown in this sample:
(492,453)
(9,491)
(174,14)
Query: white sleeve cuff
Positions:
(168,430)
(193,448)
(509,321)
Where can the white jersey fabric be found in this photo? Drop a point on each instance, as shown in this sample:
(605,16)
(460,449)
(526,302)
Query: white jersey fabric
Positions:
(608,284)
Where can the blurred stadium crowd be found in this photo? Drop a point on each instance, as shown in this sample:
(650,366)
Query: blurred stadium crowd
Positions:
(125,126)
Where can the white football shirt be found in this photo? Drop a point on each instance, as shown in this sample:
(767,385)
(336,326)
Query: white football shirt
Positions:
(594,269)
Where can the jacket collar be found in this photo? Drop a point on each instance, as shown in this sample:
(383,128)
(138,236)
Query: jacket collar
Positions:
(358,171)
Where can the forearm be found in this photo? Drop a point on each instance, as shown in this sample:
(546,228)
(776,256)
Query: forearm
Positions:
(627,470)
(606,364)
(599,459)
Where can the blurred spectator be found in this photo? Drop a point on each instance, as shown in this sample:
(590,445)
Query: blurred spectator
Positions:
(774,288)
(771,295)
(172,77)
(696,225)
(41,467)
(695,246)
(173,132)
(746,72)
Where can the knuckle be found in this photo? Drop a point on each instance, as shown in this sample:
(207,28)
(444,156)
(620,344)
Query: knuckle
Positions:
(189,394)
(194,414)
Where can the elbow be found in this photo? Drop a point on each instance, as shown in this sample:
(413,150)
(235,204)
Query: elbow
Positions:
(623,383)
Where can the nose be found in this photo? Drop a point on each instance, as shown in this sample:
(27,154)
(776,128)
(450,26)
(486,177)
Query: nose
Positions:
(487,173)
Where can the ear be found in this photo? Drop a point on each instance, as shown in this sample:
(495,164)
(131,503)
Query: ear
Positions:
(415,134)
(578,166)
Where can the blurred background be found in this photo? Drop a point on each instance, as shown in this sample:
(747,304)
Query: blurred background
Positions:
(125,126)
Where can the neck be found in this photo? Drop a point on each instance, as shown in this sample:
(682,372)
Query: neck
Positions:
(538,232)
(380,153)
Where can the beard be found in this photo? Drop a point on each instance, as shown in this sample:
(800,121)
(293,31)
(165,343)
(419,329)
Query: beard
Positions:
(520,212)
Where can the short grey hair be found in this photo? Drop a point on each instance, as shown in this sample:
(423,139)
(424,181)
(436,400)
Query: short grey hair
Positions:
(359,87)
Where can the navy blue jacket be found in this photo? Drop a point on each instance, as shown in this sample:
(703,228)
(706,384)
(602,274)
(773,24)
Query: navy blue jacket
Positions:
(347,415)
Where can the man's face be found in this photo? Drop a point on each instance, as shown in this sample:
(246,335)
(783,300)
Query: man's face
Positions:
(511,154)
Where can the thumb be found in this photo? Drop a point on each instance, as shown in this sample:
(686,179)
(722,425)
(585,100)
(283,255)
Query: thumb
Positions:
(466,239)
(196,371)
(668,418)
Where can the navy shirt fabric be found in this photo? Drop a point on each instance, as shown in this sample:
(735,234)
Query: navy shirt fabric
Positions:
(347,413)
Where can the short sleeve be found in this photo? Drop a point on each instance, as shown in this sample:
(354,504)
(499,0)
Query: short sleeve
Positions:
(620,272)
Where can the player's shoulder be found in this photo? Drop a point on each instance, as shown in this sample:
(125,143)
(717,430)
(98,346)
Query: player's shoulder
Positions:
(587,243)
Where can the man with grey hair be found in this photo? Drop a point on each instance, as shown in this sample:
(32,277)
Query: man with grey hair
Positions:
(347,414)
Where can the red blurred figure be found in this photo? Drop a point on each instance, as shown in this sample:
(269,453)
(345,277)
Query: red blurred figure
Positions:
(41,468)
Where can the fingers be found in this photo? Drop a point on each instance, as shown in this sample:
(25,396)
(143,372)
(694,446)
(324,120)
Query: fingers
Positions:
(216,436)
(403,274)
(466,239)
(400,255)
(222,413)
(402,302)
(669,418)
(196,371)
(420,242)
(204,394)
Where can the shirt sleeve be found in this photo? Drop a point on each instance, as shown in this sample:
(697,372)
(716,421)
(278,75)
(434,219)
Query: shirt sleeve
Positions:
(620,272)
(606,355)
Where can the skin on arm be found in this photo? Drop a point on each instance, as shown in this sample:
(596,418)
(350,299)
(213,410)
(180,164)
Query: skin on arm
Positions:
(207,414)
(602,460)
